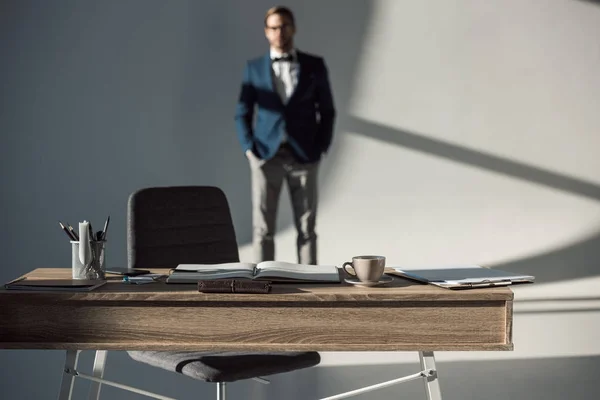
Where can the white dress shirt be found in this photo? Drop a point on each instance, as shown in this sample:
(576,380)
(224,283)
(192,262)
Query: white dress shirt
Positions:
(285,77)
(285,74)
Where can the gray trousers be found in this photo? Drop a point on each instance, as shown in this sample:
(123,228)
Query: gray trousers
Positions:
(267,179)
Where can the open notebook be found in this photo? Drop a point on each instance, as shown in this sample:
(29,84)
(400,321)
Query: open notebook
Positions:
(463,276)
(277,271)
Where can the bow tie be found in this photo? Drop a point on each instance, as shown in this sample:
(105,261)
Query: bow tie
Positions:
(285,57)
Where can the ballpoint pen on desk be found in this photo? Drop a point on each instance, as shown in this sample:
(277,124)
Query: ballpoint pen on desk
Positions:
(141,279)
(64,228)
(472,285)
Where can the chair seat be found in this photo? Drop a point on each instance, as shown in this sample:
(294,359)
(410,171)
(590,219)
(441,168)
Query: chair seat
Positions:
(226,366)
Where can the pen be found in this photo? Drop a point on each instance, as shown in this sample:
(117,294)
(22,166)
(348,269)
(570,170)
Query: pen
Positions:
(75,235)
(105,228)
(64,228)
(485,284)
(137,280)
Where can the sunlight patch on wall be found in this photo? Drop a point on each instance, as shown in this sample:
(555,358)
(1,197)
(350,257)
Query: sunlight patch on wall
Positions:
(517,81)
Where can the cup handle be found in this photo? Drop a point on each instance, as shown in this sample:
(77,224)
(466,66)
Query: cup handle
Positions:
(347,271)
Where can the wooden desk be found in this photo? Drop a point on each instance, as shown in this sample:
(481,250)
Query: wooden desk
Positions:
(159,316)
(402,316)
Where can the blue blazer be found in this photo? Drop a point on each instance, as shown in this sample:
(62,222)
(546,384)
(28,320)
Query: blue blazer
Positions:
(307,117)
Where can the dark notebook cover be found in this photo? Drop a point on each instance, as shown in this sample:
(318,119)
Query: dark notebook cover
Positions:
(234,286)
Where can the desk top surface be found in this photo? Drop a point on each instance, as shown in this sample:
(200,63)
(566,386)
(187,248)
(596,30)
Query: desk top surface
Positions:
(399,289)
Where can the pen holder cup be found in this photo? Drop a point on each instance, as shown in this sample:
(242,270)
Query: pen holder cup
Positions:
(95,268)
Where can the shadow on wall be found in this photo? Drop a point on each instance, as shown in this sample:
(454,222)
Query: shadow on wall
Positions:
(597,2)
(574,261)
(489,162)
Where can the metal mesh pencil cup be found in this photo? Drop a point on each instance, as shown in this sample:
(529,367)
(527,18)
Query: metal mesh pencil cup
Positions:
(96,268)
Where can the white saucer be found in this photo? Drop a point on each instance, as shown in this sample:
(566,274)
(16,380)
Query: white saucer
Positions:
(384,279)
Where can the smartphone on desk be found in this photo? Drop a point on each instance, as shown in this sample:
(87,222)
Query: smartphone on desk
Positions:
(127,271)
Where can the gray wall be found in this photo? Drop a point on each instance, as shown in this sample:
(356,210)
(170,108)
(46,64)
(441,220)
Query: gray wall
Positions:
(467,132)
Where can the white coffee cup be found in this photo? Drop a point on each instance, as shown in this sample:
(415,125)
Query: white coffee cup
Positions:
(366,268)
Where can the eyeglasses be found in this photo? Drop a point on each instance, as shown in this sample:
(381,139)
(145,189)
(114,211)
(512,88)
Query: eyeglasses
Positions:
(280,27)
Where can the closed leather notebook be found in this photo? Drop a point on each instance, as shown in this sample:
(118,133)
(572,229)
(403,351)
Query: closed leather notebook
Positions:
(234,286)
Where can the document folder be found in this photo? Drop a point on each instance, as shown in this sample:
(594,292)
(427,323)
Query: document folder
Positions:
(463,276)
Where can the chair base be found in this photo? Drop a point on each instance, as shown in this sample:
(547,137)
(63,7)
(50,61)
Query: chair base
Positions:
(426,358)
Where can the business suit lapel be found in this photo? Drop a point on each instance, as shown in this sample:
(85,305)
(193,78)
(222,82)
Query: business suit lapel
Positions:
(269,78)
(268,72)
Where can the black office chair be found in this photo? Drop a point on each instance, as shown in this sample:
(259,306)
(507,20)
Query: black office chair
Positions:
(167,226)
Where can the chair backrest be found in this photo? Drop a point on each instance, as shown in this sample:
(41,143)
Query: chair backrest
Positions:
(167,226)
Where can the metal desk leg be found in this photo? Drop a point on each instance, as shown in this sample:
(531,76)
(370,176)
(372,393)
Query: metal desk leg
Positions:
(221,390)
(97,372)
(432,384)
(68,380)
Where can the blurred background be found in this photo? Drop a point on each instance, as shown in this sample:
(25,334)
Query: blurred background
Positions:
(467,132)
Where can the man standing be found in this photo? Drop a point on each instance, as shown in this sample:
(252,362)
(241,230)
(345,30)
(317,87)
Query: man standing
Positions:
(292,128)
